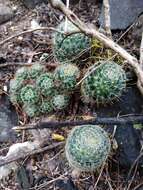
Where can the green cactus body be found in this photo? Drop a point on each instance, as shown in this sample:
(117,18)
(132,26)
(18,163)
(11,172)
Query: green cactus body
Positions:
(45,83)
(60,102)
(46,106)
(15,85)
(69,48)
(36,70)
(66,76)
(105,84)
(22,73)
(29,94)
(31,110)
(87,147)
(15,98)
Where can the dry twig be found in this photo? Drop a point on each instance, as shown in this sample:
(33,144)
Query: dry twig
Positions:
(94,121)
(141,52)
(107,18)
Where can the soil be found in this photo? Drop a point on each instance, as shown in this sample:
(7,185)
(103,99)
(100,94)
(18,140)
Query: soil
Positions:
(50,170)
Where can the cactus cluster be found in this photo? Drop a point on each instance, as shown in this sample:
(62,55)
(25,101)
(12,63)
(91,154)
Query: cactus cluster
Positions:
(36,90)
(87,147)
(104,84)
(69,48)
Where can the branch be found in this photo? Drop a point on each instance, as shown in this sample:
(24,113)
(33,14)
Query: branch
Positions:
(91,31)
(95,121)
(141,52)
(107,18)
(33,30)
(21,64)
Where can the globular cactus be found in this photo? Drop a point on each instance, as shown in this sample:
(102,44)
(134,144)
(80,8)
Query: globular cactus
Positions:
(29,94)
(22,73)
(46,106)
(36,70)
(45,83)
(15,86)
(31,110)
(66,76)
(87,147)
(60,102)
(15,98)
(69,48)
(104,84)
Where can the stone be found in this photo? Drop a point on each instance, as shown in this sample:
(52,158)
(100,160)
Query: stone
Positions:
(131,102)
(66,184)
(31,4)
(8,119)
(6,13)
(129,146)
(122,13)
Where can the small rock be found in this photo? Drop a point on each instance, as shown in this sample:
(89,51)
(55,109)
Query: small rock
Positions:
(8,119)
(129,145)
(66,184)
(6,13)
(123,13)
(31,4)
(131,102)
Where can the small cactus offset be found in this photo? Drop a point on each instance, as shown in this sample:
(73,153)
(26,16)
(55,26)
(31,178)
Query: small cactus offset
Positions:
(69,48)
(22,73)
(66,76)
(46,106)
(87,147)
(45,83)
(36,70)
(60,102)
(29,94)
(31,110)
(104,84)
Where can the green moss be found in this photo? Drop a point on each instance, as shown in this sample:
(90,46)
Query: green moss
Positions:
(138,126)
(69,48)
(87,147)
(105,84)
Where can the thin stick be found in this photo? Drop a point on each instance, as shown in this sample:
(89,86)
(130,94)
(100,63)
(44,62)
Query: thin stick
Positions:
(20,64)
(66,22)
(59,124)
(27,32)
(107,18)
(30,153)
